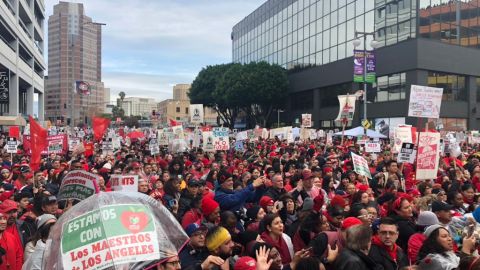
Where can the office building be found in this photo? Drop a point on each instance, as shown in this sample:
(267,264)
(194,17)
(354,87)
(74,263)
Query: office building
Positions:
(22,62)
(178,108)
(74,54)
(423,42)
(137,106)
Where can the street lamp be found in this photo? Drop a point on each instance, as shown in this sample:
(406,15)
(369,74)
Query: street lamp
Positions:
(278,117)
(374,44)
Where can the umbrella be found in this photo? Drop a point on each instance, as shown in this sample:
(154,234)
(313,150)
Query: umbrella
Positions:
(113,230)
(136,135)
(360,131)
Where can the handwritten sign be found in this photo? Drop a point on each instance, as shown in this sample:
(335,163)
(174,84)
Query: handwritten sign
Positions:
(425,101)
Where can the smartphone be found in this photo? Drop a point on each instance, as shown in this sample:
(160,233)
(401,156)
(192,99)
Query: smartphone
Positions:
(471,230)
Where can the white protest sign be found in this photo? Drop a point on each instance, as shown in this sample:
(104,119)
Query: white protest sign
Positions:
(407,153)
(162,137)
(403,134)
(373,147)
(196,113)
(208,141)
(154,147)
(107,146)
(73,143)
(306,120)
(12,146)
(221,140)
(361,165)
(124,183)
(425,101)
(241,136)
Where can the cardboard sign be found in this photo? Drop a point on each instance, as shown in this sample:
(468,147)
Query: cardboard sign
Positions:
(427,155)
(306,120)
(78,185)
(361,165)
(111,235)
(196,113)
(221,140)
(407,153)
(12,145)
(73,143)
(208,141)
(425,101)
(373,147)
(124,183)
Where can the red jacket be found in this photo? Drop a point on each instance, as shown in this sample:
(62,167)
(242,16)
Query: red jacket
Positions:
(13,259)
(414,244)
(191,216)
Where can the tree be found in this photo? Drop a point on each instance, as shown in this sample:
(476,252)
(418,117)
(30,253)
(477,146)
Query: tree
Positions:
(117,112)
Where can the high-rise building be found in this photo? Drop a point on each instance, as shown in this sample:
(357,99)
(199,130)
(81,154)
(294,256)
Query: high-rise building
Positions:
(138,106)
(74,54)
(22,63)
(422,42)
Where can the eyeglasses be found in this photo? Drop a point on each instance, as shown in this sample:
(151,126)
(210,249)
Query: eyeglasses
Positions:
(384,233)
(365,216)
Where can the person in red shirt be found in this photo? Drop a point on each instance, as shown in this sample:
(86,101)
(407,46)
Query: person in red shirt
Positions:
(10,240)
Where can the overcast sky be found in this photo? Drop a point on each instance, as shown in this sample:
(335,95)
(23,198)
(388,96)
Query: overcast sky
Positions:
(151,45)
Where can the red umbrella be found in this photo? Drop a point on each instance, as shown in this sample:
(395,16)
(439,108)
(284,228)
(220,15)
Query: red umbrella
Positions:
(136,135)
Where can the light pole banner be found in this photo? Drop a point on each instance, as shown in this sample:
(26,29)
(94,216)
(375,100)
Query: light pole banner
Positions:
(196,113)
(428,155)
(306,120)
(359,66)
(361,165)
(347,107)
(425,101)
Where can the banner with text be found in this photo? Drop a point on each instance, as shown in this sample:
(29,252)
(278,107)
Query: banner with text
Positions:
(78,185)
(425,101)
(347,107)
(427,155)
(124,183)
(360,165)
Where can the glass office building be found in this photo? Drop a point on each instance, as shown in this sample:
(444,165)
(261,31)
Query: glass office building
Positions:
(425,42)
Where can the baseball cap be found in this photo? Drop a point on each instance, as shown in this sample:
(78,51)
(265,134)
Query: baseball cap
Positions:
(245,263)
(441,206)
(49,199)
(350,222)
(7,206)
(41,220)
(193,228)
(193,183)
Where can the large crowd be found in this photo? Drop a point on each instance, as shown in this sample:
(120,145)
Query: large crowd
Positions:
(273,205)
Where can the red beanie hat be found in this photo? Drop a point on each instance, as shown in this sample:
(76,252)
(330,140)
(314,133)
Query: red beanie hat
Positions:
(362,187)
(265,201)
(338,200)
(245,263)
(318,202)
(208,206)
(349,222)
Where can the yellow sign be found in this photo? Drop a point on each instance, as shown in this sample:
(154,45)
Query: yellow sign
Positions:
(366,124)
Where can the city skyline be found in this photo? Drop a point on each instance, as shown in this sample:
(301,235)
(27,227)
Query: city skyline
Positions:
(155,56)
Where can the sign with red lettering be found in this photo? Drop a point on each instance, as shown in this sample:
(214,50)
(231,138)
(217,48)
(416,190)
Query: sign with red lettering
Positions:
(55,144)
(110,236)
(428,153)
(78,185)
(124,183)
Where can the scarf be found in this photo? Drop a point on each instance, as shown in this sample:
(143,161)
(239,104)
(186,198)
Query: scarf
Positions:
(448,260)
(280,245)
(392,252)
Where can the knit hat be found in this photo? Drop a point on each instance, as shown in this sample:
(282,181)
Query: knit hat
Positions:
(7,206)
(208,206)
(217,237)
(430,229)
(41,220)
(476,214)
(318,202)
(252,212)
(338,200)
(4,170)
(427,218)
(349,222)
(266,201)
(223,176)
(307,204)
(245,263)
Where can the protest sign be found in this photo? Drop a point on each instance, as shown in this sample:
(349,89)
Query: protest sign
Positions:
(221,140)
(162,137)
(407,153)
(196,113)
(425,101)
(428,155)
(403,134)
(124,183)
(178,133)
(239,146)
(208,141)
(73,143)
(373,147)
(347,107)
(306,120)
(111,235)
(107,146)
(12,145)
(154,147)
(361,165)
(78,185)
(241,136)
(55,144)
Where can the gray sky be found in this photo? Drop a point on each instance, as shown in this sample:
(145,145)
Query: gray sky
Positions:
(150,45)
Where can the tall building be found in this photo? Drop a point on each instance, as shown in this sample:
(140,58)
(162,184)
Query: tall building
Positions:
(22,63)
(137,106)
(74,54)
(178,108)
(423,42)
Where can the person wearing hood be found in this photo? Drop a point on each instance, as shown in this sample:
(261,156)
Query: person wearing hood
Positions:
(384,250)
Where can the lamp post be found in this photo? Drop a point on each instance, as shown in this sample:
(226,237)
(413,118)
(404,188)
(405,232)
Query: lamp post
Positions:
(278,117)
(373,44)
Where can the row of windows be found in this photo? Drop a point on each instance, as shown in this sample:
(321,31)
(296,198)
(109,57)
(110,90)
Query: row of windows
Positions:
(454,87)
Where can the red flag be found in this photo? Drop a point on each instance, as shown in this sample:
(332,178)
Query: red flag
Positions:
(38,140)
(173,123)
(99,127)
(14,132)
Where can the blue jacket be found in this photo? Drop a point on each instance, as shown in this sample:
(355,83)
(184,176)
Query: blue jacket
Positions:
(234,200)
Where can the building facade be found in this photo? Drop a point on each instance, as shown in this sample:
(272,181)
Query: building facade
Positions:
(22,62)
(422,42)
(137,106)
(74,54)
(178,108)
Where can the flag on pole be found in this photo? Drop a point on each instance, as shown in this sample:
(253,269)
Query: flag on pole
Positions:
(38,140)
(99,127)
(174,123)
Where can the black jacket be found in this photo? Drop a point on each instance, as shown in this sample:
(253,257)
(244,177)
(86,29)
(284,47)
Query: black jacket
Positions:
(381,256)
(406,228)
(275,193)
(185,202)
(349,260)
(192,258)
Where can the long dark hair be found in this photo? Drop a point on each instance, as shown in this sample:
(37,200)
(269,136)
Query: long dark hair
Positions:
(170,187)
(430,245)
(309,263)
(308,225)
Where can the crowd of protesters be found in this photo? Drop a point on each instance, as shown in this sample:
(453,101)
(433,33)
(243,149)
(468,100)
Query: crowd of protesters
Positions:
(272,206)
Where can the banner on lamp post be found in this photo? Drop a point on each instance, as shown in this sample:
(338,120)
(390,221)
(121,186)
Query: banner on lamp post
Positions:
(359,66)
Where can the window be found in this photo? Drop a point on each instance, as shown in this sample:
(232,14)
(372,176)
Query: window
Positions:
(186,110)
(391,87)
(453,85)
(302,100)
(454,124)
(178,109)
